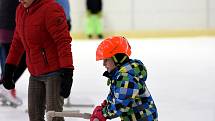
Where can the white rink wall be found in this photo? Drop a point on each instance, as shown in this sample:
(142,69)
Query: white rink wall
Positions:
(149,15)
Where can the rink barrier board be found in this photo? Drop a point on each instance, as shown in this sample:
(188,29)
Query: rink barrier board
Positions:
(153,33)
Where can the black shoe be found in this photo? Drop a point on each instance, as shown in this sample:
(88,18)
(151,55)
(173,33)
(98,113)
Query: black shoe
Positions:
(100,36)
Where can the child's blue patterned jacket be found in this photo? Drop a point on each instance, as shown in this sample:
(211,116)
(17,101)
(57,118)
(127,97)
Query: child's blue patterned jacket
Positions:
(129,97)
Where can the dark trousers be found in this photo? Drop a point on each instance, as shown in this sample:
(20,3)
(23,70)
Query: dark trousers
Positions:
(43,94)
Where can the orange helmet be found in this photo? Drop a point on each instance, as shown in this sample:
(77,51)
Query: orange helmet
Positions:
(111,46)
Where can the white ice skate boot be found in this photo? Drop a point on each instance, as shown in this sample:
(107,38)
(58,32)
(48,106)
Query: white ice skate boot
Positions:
(9,99)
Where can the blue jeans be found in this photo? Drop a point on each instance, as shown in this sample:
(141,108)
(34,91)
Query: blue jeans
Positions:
(4,50)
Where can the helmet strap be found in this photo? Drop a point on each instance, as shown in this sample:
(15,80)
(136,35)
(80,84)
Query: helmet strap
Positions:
(123,59)
(119,62)
(114,59)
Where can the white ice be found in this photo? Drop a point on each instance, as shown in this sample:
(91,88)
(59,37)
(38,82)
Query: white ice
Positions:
(181,78)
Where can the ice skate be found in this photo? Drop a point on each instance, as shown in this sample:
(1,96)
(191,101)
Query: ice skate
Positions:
(9,99)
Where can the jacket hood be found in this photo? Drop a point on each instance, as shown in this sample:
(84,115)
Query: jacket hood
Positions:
(134,68)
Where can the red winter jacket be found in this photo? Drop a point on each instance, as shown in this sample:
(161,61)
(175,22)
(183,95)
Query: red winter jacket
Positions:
(41,31)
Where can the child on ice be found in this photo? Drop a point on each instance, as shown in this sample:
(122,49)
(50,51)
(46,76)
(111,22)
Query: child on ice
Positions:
(129,97)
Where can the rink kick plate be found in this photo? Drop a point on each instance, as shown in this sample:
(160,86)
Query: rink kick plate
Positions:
(69,104)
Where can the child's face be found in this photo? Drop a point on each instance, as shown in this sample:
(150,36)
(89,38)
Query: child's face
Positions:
(109,64)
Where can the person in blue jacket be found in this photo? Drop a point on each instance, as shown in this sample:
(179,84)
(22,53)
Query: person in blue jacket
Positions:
(129,97)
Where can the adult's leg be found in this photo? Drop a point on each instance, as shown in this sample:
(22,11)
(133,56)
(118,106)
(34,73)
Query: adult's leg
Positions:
(36,99)
(54,101)
(98,25)
(89,25)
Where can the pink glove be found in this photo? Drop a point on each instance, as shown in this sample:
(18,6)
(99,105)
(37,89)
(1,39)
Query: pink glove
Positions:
(104,103)
(97,114)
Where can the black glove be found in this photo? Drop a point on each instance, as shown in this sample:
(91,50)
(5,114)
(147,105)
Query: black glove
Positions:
(7,77)
(66,83)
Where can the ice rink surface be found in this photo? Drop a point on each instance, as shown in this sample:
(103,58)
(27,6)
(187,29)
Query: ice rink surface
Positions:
(181,78)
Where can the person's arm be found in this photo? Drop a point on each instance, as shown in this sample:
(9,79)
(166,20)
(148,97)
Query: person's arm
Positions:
(15,53)
(16,50)
(57,27)
(122,97)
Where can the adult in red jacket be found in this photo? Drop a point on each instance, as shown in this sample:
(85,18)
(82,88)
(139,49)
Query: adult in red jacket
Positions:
(42,31)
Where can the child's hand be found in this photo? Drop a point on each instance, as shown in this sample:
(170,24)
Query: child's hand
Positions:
(97,114)
(104,103)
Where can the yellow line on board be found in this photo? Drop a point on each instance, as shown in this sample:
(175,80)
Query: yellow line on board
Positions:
(153,34)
